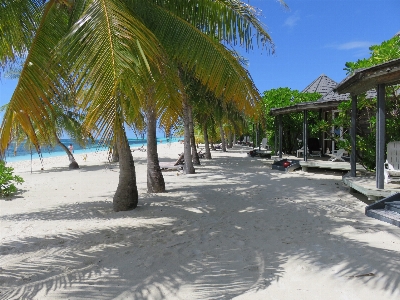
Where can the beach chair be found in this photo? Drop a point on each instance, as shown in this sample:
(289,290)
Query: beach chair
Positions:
(141,149)
(337,156)
(300,151)
(392,164)
(314,149)
(262,151)
(201,154)
(178,165)
(264,144)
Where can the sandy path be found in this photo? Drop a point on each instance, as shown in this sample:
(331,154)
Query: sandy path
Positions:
(235,229)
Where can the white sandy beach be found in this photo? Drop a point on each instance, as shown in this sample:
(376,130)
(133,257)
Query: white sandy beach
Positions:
(234,230)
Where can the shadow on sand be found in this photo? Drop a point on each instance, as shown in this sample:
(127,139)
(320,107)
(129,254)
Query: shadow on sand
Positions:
(204,237)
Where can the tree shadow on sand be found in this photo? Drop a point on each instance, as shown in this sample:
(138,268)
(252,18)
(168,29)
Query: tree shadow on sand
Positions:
(204,238)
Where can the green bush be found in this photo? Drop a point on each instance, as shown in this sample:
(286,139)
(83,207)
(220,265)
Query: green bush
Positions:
(8,180)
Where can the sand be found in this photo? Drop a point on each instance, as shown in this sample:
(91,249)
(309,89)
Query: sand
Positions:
(234,230)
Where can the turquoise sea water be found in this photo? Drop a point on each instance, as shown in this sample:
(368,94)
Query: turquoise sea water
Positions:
(25,154)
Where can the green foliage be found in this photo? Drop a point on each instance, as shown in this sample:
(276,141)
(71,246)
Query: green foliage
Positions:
(366,134)
(384,52)
(292,123)
(8,180)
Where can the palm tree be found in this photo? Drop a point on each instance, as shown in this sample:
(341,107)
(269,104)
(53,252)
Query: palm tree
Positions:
(65,118)
(113,49)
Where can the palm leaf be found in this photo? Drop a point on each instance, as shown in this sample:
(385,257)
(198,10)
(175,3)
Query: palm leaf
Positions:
(211,62)
(106,45)
(230,21)
(30,103)
(18,23)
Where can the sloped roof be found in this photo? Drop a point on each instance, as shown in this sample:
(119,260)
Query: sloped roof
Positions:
(322,85)
(365,79)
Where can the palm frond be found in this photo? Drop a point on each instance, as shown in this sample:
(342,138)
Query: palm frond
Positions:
(231,21)
(105,46)
(30,103)
(18,23)
(210,62)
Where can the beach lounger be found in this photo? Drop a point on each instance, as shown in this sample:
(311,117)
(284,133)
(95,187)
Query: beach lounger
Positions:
(300,151)
(392,164)
(262,151)
(201,154)
(264,144)
(337,156)
(178,165)
(393,158)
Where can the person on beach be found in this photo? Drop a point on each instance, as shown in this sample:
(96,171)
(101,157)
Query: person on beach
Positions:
(71,148)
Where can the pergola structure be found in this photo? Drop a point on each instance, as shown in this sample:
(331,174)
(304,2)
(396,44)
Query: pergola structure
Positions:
(361,81)
(330,100)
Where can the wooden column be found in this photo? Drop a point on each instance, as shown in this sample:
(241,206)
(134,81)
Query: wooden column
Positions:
(380,137)
(321,133)
(280,136)
(353,156)
(305,136)
(276,135)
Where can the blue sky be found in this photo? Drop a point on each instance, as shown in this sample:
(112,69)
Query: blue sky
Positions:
(313,37)
(317,37)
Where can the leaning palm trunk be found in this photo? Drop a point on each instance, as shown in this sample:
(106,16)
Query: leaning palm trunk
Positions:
(206,142)
(72,162)
(195,155)
(155,179)
(126,196)
(189,169)
(223,144)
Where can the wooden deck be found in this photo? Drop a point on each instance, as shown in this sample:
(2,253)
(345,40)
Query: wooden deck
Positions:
(364,183)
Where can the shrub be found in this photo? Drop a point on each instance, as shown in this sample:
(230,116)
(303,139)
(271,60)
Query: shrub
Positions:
(8,180)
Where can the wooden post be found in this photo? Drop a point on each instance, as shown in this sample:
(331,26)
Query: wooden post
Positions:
(305,146)
(380,137)
(353,156)
(280,136)
(321,133)
(276,135)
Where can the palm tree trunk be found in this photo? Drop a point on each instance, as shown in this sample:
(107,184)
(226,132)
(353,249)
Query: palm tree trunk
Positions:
(195,155)
(155,179)
(230,140)
(72,162)
(115,154)
(126,196)
(206,142)
(189,169)
(221,130)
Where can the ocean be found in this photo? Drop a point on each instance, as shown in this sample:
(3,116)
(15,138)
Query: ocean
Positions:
(25,154)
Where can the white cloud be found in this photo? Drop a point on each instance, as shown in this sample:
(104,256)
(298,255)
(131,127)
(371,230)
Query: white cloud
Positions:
(353,45)
(292,20)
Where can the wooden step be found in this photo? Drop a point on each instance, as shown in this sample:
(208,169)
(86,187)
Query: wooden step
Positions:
(385,215)
(393,206)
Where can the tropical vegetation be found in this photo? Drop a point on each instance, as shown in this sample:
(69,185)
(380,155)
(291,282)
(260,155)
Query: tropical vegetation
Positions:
(292,123)
(8,180)
(124,63)
(366,131)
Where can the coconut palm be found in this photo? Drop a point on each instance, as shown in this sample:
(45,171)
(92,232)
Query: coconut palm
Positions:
(65,118)
(115,50)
